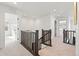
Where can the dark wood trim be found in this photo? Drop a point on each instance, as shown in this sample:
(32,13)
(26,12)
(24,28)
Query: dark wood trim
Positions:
(28,49)
(66,35)
(34,49)
(49,37)
(36,44)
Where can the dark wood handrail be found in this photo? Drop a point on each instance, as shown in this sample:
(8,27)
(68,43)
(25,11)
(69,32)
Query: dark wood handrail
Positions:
(70,31)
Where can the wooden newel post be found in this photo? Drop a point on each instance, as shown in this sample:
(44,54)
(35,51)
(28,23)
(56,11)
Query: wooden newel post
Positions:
(50,38)
(63,35)
(36,43)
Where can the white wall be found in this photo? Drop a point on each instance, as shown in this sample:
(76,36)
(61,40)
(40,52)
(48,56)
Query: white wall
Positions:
(6,9)
(44,23)
(29,23)
(33,24)
(77,35)
(25,22)
(11,20)
(52,25)
(2,33)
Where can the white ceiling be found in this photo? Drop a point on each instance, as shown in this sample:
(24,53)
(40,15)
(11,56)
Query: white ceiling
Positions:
(37,9)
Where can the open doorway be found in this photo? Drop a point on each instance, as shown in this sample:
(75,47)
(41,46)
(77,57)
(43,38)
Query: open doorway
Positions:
(10,28)
(60,24)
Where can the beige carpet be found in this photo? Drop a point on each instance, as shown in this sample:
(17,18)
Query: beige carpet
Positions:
(14,48)
(58,49)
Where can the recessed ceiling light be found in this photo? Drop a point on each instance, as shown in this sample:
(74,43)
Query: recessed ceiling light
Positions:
(14,2)
(54,10)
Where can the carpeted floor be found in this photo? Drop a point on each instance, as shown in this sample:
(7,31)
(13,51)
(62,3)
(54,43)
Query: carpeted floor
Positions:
(14,48)
(58,49)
